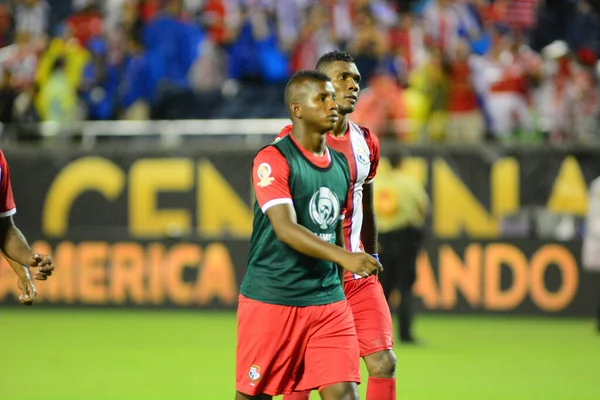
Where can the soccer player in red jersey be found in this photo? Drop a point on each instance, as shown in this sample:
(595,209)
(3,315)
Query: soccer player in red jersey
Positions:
(13,244)
(295,328)
(369,306)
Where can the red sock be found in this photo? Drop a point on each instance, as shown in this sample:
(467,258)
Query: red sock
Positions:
(381,389)
(297,396)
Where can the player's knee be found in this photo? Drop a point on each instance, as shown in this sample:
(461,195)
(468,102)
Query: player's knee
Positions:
(381,364)
(340,391)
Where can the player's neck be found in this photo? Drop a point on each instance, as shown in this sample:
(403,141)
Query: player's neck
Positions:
(311,141)
(341,127)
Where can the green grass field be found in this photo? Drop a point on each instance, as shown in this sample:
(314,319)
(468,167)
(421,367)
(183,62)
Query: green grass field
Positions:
(61,355)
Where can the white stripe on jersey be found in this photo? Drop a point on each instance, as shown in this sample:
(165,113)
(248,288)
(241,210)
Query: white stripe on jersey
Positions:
(362,161)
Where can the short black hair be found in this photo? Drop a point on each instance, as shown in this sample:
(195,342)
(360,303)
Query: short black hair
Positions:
(333,56)
(309,74)
(299,79)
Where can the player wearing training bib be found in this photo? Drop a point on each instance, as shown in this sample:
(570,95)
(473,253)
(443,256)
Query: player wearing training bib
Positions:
(295,327)
(371,312)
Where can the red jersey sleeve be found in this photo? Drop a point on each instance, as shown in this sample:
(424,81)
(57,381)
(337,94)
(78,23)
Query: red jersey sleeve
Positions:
(270,174)
(7,202)
(344,209)
(373,143)
(284,132)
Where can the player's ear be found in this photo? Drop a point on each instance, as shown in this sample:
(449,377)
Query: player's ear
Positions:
(296,110)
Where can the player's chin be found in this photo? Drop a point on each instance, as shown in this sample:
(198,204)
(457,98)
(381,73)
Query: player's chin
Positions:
(327,127)
(347,108)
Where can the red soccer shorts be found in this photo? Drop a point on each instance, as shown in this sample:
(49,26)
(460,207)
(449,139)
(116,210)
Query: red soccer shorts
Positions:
(281,349)
(371,315)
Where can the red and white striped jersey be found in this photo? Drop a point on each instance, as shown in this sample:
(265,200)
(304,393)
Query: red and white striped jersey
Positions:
(361,148)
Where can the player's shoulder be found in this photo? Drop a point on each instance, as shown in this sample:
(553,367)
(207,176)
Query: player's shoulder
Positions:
(284,132)
(269,151)
(364,132)
(370,138)
(2,158)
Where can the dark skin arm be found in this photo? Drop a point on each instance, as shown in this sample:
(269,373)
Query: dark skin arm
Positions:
(368,234)
(288,231)
(339,241)
(21,257)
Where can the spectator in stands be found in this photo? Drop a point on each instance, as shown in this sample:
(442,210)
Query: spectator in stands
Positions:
(172,45)
(442,19)
(583,28)
(86,23)
(290,20)
(431,81)
(213,19)
(7,97)
(314,39)
(587,98)
(57,100)
(340,13)
(103,76)
(407,46)
(134,89)
(254,55)
(22,61)
(381,107)
(148,9)
(261,41)
(506,94)
(114,13)
(466,124)
(6,26)
(369,45)
(68,48)
(556,94)
(26,114)
(31,18)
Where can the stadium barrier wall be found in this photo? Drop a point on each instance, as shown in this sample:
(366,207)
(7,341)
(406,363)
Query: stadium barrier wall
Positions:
(170,228)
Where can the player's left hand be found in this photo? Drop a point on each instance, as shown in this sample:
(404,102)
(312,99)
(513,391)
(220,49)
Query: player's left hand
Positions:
(44,264)
(28,291)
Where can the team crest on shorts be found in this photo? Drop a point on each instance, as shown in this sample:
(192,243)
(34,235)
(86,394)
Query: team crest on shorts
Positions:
(362,155)
(264,175)
(254,373)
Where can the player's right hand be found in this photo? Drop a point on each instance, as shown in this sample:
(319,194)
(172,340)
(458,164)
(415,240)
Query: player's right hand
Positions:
(362,264)
(44,264)
(28,291)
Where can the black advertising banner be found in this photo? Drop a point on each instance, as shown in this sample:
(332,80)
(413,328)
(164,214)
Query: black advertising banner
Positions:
(156,228)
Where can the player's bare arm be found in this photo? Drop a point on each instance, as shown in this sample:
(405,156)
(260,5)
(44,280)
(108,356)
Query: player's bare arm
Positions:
(368,235)
(339,241)
(288,231)
(17,251)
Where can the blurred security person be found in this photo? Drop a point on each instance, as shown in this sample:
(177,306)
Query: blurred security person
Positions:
(401,206)
(591,240)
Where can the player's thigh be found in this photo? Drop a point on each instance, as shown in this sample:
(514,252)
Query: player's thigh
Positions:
(332,353)
(340,391)
(271,341)
(372,316)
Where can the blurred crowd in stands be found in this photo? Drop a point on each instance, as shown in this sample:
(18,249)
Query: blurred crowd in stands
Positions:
(453,71)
